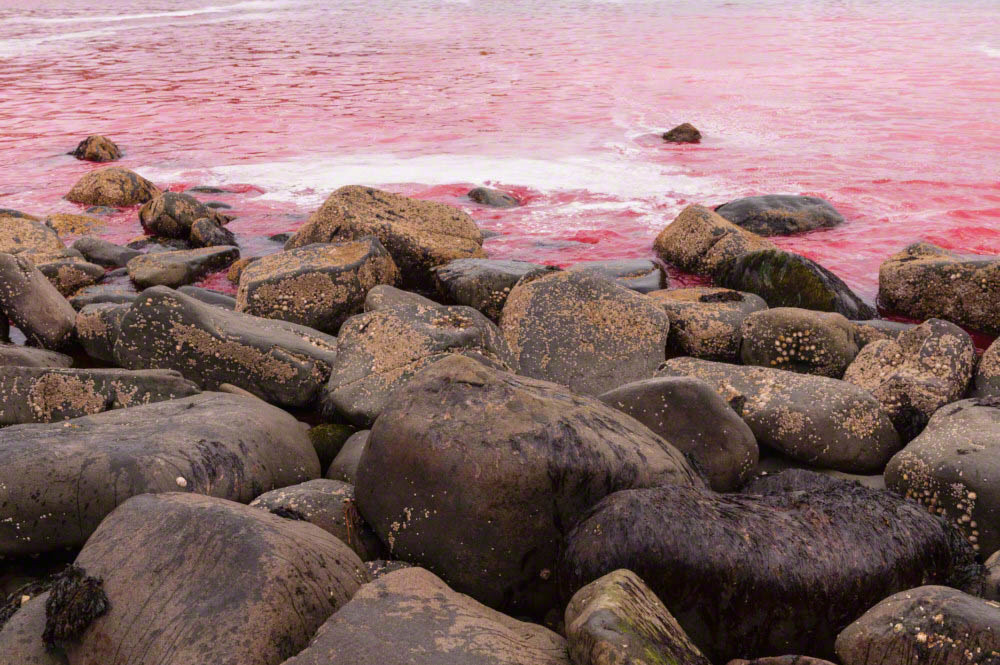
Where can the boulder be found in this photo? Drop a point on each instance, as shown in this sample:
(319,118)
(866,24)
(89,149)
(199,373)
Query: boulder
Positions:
(327,440)
(235,270)
(329,504)
(987,382)
(639,275)
(875,329)
(914,375)
(813,419)
(781,215)
(953,468)
(418,234)
(478,474)
(97,328)
(207,232)
(482,283)
(991,586)
(67,224)
(702,242)
(706,322)
(411,617)
(59,480)
(281,362)
(119,294)
(210,581)
(20,232)
(112,186)
(67,271)
(384,296)
(179,267)
(769,573)
(784,279)
(217,298)
(929,624)
(925,281)
(48,394)
(319,285)
(583,331)
(618,619)
(799,340)
(345,465)
(21,637)
(13,355)
(172,215)
(683,133)
(33,304)
(97,148)
(781,660)
(493,197)
(377,352)
(688,413)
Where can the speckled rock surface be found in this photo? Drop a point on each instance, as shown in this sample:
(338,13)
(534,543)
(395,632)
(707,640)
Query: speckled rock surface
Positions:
(987,383)
(207,232)
(345,465)
(418,234)
(318,285)
(59,480)
(270,584)
(799,340)
(411,617)
(953,468)
(744,574)
(384,296)
(14,355)
(701,241)
(690,415)
(925,281)
(617,619)
(112,186)
(705,322)
(814,419)
(493,198)
(377,352)
(97,148)
(67,271)
(97,328)
(172,215)
(930,624)
(482,283)
(330,505)
(104,293)
(583,331)
(478,474)
(68,224)
(179,267)
(875,329)
(640,275)
(209,296)
(923,369)
(784,279)
(682,133)
(21,637)
(776,214)
(33,304)
(281,362)
(20,232)
(48,394)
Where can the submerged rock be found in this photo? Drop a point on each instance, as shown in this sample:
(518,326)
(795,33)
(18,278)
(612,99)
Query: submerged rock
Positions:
(97,148)
(33,304)
(778,215)
(706,322)
(493,197)
(799,340)
(112,186)
(482,283)
(179,267)
(683,133)
(702,242)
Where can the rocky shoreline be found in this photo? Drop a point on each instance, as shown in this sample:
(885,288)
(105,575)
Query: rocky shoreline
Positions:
(390,448)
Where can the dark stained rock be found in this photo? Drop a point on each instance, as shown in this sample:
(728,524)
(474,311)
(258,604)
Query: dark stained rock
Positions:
(33,304)
(104,253)
(219,205)
(68,224)
(418,234)
(97,148)
(988,373)
(411,617)
(925,281)
(772,462)
(639,275)
(210,581)
(583,331)
(799,340)
(4,328)
(953,468)
(784,279)
(112,186)
(48,394)
(158,244)
(20,232)
(97,328)
(21,637)
(329,504)
(991,587)
(914,375)
(207,189)
(618,619)
(779,215)
(382,567)
(207,232)
(690,415)
(59,480)
(814,419)
(702,242)
(683,133)
(742,574)
(929,624)
(345,465)
(104,293)
(172,215)
(482,283)
(478,474)
(328,439)
(781,660)
(706,322)
(319,285)
(217,298)
(281,362)
(384,296)
(493,197)
(13,355)
(377,352)
(179,267)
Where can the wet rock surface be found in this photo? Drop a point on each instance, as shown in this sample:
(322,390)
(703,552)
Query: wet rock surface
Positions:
(706,322)
(637,274)
(482,283)
(702,242)
(97,148)
(180,267)
(30,301)
(799,340)
(104,293)
(172,215)
(683,133)
(776,215)
(493,198)
(112,186)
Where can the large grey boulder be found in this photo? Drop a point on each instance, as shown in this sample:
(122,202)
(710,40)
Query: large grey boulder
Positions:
(33,304)
(781,214)
(799,340)
(112,186)
(702,242)
(482,283)
(179,267)
(97,328)
(104,253)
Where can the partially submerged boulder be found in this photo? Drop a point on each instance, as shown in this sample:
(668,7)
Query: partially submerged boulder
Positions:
(583,331)
(702,242)
(112,186)
(779,215)
(59,480)
(640,275)
(478,474)
(493,197)
(179,267)
(319,285)
(206,232)
(706,322)
(814,419)
(925,281)
(988,372)
(418,234)
(799,340)
(682,133)
(172,215)
(33,304)
(97,148)
(482,283)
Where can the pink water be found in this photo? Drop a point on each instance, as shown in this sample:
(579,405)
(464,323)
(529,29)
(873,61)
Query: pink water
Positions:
(889,109)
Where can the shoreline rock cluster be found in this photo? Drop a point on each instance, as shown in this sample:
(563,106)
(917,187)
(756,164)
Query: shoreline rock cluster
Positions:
(390,448)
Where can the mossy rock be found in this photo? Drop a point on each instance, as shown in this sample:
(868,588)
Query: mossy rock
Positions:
(328,439)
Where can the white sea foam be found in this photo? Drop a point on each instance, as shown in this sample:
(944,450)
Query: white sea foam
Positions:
(117,18)
(991,51)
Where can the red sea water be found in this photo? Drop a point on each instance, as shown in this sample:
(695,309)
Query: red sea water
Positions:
(890,109)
